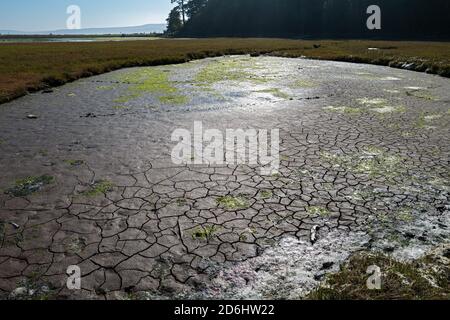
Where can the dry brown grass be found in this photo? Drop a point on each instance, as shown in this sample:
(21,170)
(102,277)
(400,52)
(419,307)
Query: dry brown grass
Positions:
(28,67)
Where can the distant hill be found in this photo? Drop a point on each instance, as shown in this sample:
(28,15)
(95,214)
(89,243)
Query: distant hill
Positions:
(401,19)
(147,28)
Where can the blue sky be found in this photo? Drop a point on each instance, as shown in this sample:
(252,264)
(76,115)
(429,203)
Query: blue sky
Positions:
(42,15)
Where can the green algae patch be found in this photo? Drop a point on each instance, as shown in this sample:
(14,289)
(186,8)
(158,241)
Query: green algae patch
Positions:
(275,92)
(319,211)
(151,81)
(125,99)
(29,185)
(229,70)
(302,84)
(233,203)
(173,99)
(380,164)
(344,110)
(99,187)
(205,233)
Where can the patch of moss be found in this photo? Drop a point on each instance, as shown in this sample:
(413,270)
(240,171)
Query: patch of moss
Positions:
(204,233)
(233,203)
(419,280)
(30,185)
(99,187)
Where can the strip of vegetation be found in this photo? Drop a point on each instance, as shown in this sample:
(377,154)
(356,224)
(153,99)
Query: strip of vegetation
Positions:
(28,67)
(424,279)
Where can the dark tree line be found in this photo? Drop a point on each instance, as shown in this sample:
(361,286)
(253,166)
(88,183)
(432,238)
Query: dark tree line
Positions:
(183,11)
(413,19)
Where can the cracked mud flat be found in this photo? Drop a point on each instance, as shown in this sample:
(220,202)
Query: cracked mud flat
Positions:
(87,180)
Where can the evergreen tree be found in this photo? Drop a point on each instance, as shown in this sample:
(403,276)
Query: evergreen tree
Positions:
(174,23)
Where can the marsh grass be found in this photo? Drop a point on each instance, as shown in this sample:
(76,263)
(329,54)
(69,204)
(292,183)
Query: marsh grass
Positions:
(419,280)
(28,67)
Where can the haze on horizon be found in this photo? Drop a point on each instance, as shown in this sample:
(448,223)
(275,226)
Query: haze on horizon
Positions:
(46,15)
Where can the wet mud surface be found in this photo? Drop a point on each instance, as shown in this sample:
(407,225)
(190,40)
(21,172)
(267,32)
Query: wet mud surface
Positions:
(87,179)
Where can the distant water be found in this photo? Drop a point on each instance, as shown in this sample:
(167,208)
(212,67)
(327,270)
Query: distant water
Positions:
(68,39)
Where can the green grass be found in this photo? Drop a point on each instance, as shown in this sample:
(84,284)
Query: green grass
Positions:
(27,67)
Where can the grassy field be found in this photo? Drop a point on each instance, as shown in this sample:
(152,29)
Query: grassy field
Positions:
(27,67)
